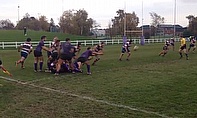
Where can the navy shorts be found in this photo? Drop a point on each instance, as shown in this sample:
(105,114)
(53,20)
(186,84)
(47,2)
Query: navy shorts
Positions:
(82,59)
(24,54)
(124,50)
(191,45)
(37,53)
(67,57)
(183,47)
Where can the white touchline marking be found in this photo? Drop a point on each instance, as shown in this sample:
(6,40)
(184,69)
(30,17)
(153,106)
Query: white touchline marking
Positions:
(86,98)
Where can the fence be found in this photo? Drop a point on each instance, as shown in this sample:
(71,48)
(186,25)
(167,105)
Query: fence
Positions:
(4,45)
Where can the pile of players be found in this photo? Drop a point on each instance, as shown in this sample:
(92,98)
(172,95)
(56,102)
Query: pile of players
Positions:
(182,48)
(62,56)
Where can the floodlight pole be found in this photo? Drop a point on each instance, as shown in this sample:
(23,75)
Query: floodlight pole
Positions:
(62,6)
(125,24)
(174,19)
(125,19)
(18,13)
(142,19)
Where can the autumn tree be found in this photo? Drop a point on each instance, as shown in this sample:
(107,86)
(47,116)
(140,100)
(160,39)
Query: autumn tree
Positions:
(76,22)
(118,21)
(156,21)
(6,24)
(192,24)
(66,21)
(44,25)
(33,23)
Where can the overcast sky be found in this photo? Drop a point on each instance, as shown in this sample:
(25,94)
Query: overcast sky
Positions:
(100,10)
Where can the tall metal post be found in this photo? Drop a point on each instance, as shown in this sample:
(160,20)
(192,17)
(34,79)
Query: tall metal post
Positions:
(18,13)
(142,19)
(174,19)
(125,17)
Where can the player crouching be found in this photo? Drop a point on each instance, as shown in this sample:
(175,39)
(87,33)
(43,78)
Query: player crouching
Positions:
(84,59)
(164,51)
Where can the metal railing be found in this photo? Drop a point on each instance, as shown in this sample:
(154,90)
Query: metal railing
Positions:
(4,45)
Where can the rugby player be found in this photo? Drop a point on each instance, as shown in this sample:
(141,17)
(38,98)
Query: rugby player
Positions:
(125,49)
(25,49)
(53,53)
(38,57)
(183,48)
(164,51)
(84,59)
(98,49)
(172,43)
(66,51)
(192,44)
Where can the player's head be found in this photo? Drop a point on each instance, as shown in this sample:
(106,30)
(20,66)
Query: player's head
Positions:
(79,44)
(43,38)
(55,38)
(57,41)
(89,48)
(130,41)
(67,39)
(102,43)
(28,39)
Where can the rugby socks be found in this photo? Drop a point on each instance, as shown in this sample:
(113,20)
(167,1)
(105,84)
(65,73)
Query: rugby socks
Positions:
(186,56)
(180,54)
(95,61)
(22,64)
(35,66)
(76,65)
(41,65)
(128,56)
(88,68)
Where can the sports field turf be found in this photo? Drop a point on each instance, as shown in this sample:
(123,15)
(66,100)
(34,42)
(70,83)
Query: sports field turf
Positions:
(17,35)
(147,86)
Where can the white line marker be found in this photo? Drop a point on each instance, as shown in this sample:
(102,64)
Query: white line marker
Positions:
(87,98)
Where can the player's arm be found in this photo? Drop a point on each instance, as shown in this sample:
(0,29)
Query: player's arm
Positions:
(97,53)
(19,48)
(31,49)
(45,48)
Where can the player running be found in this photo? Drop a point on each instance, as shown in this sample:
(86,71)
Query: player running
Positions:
(172,43)
(125,49)
(183,48)
(167,43)
(192,44)
(25,49)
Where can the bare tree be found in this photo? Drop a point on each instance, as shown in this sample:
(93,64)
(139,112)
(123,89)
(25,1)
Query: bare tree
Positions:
(131,19)
(156,21)
(76,22)
(6,24)
(192,24)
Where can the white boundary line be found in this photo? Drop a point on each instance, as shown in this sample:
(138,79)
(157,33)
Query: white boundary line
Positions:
(86,98)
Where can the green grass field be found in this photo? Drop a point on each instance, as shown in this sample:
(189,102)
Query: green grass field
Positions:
(17,35)
(147,86)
